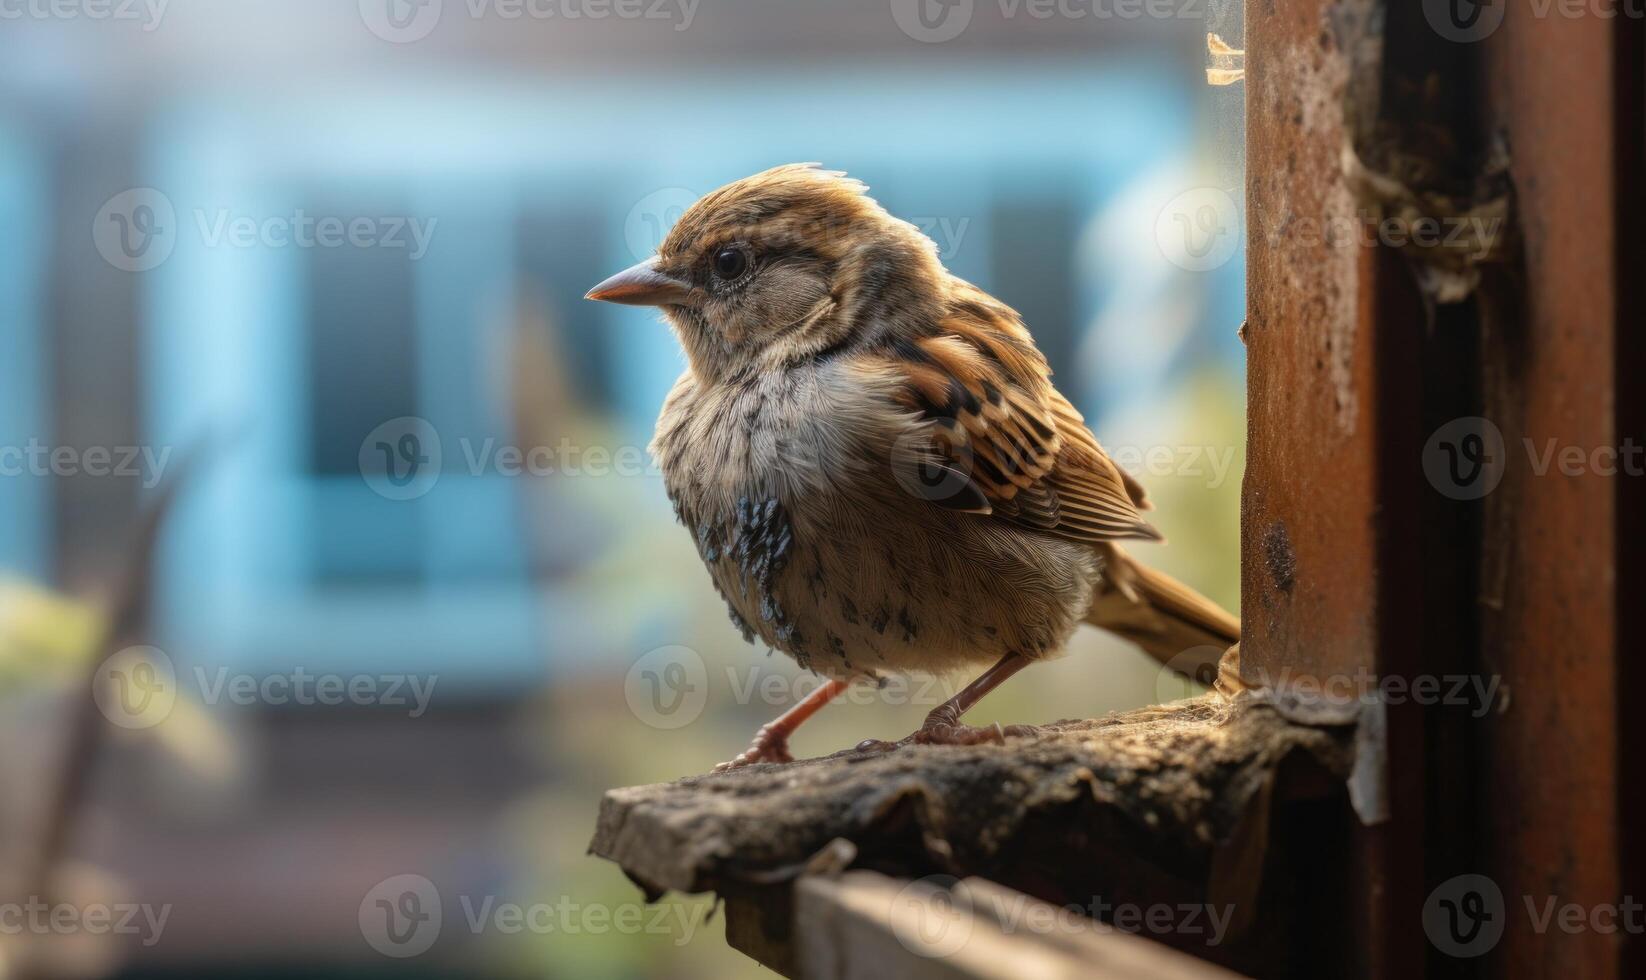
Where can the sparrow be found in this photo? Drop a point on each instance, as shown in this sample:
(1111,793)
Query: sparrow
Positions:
(874,463)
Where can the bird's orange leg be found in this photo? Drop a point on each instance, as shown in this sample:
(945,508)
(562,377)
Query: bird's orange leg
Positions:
(942,726)
(771,743)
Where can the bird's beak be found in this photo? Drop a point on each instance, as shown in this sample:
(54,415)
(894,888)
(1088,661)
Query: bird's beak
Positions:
(642,285)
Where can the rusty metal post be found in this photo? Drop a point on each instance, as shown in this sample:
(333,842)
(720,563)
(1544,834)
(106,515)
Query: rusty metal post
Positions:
(1357,562)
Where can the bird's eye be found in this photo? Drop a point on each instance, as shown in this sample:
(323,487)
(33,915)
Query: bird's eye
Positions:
(731,263)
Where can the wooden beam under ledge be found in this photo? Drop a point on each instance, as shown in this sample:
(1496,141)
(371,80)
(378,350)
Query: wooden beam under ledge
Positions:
(863,924)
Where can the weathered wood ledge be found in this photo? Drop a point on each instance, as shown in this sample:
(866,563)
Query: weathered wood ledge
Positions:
(1170,804)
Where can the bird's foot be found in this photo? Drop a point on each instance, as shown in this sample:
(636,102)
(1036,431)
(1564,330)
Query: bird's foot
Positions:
(767,746)
(942,731)
(954,733)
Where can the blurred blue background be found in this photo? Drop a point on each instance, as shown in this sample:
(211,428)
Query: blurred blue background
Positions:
(167,176)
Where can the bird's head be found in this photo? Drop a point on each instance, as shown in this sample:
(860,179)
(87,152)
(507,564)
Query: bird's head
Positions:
(787,264)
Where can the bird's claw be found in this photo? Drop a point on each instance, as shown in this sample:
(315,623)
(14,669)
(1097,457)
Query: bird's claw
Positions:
(957,734)
(761,750)
(951,733)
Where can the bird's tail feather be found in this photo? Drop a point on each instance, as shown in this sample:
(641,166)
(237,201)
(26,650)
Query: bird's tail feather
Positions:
(1171,622)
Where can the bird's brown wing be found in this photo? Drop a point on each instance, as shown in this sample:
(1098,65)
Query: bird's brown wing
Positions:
(1020,450)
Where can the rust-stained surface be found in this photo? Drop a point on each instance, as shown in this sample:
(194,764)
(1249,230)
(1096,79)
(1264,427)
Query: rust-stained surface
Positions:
(1551,768)
(1309,504)
(1353,559)
(1327,571)
(1629,178)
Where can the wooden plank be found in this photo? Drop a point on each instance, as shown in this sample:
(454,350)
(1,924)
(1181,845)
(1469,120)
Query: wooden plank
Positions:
(1170,805)
(1167,786)
(866,926)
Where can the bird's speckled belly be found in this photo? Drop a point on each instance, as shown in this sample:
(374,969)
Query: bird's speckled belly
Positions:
(851,590)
